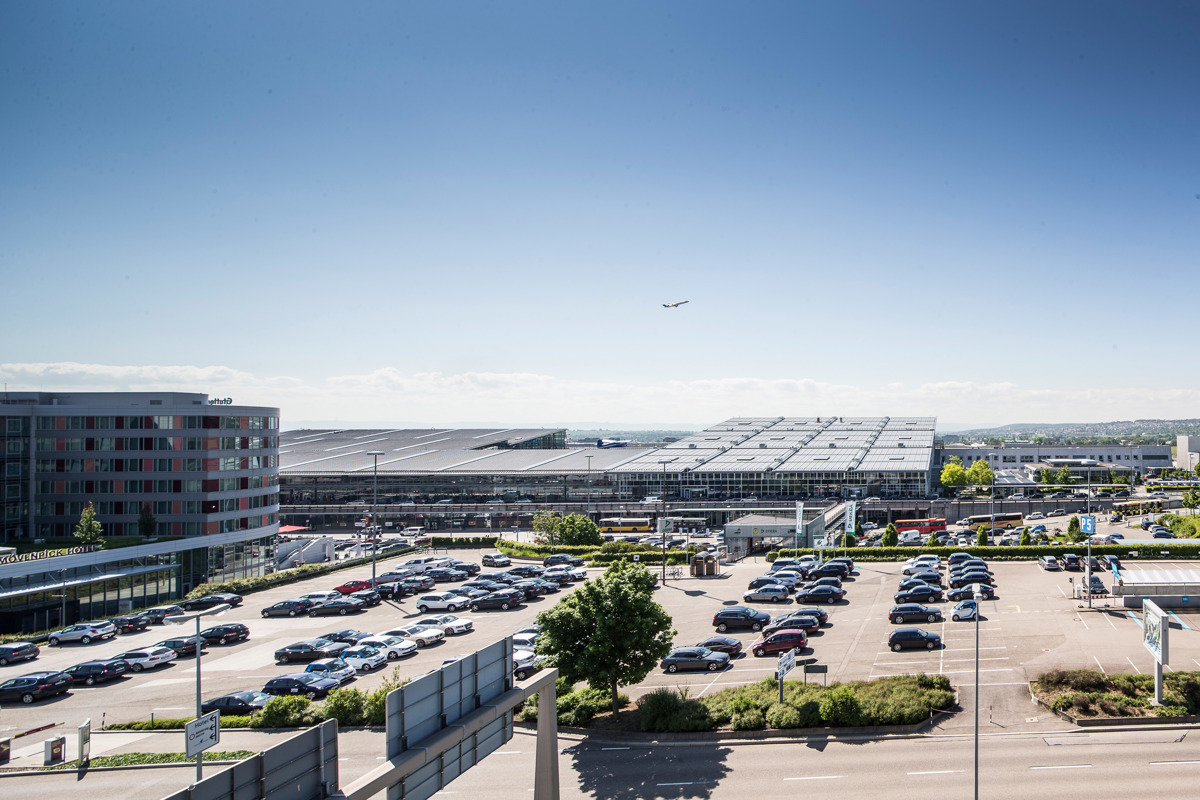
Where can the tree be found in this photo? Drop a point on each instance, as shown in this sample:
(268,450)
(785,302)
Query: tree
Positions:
(1046,476)
(932,541)
(981,537)
(89,531)
(891,536)
(147,524)
(954,475)
(545,525)
(1191,499)
(609,631)
(1074,532)
(1063,477)
(1026,539)
(1198,470)
(980,474)
(954,460)
(578,529)
(850,540)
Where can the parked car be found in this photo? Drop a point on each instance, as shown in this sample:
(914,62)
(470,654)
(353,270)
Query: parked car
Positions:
(504,600)
(970,590)
(309,650)
(1114,563)
(13,652)
(211,601)
(529,589)
(89,673)
(147,658)
(184,646)
(418,633)
(1035,515)
(392,647)
(464,566)
(526,663)
(964,610)
(158,614)
(365,658)
(340,607)
(288,608)
(819,594)
(227,633)
(722,644)
(84,633)
(909,638)
(301,684)
(350,587)
(812,611)
(441,602)
(316,598)
(1162,535)
(130,623)
(830,569)
(34,686)
(448,623)
(682,659)
(966,578)
(802,622)
(780,642)
(239,703)
(496,560)
(334,668)
(740,617)
(913,612)
(368,597)
(562,558)
(919,594)
(416,584)
(771,593)
(1071,562)
(445,574)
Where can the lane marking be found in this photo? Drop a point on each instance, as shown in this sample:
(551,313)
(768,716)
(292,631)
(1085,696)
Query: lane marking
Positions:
(1135,669)
(614,748)
(1108,619)
(1084,623)
(1182,624)
(1066,766)
(1130,614)
(1166,763)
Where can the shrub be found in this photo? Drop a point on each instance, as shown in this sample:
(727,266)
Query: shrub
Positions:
(840,707)
(752,720)
(665,710)
(782,715)
(1085,680)
(347,706)
(1170,711)
(287,712)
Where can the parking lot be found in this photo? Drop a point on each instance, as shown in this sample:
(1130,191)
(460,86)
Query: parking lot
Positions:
(1032,625)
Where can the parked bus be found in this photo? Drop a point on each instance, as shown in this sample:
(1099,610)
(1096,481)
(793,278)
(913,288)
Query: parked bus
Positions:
(685,524)
(933,525)
(1001,519)
(1134,507)
(625,525)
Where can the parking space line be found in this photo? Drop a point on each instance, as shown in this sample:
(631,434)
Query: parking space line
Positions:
(1098,664)
(1135,669)
(938,772)
(1110,622)
(1066,766)
(1182,624)
(1084,623)
(1133,617)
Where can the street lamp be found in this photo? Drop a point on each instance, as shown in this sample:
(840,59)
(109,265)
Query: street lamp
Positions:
(589,485)
(978,607)
(374,512)
(181,619)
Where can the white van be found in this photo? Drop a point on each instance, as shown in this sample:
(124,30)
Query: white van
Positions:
(413,531)
(419,565)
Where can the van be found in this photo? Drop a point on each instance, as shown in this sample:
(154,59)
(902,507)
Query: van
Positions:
(413,531)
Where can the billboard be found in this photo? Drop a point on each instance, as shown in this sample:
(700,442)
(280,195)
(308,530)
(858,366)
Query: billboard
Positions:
(1154,630)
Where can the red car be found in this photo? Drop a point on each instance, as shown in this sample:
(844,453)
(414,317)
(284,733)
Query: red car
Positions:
(350,587)
(780,642)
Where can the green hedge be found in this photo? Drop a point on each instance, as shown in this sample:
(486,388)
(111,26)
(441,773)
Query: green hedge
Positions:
(464,541)
(1172,547)
(674,557)
(530,550)
(300,573)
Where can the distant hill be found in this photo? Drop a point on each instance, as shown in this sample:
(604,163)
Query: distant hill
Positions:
(1138,431)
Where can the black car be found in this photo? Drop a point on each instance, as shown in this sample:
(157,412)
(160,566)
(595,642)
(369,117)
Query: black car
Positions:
(445,575)
(502,600)
(464,566)
(89,673)
(959,581)
(562,558)
(131,623)
(340,607)
(368,597)
(830,569)
(18,651)
(927,576)
(309,650)
(184,646)
(919,594)
(801,622)
(415,584)
(288,608)
(507,578)
(158,614)
(242,703)
(819,594)
(301,684)
(836,583)
(526,571)
(528,589)
(967,593)
(913,612)
(909,583)
(723,644)
(1071,562)
(812,611)
(558,578)
(210,601)
(465,591)
(391,591)
(766,580)
(349,636)
(548,586)
(484,584)
(34,686)
(740,617)
(909,638)
(694,658)
(224,634)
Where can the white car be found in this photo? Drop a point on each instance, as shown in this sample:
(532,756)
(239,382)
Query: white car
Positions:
(148,658)
(333,668)
(419,633)
(869,526)
(320,597)
(84,633)
(392,647)
(1035,515)
(524,641)
(448,623)
(964,610)
(442,601)
(419,565)
(365,658)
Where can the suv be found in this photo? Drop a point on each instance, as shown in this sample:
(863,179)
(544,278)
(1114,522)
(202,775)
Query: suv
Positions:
(780,642)
(17,651)
(913,611)
(1071,562)
(158,614)
(89,673)
(131,623)
(740,617)
(148,658)
(496,560)
(562,558)
(83,633)
(34,686)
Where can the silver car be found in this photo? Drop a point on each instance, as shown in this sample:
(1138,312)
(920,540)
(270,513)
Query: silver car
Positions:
(148,658)
(84,633)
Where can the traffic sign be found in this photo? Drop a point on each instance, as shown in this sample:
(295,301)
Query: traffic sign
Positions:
(786,663)
(1087,525)
(203,733)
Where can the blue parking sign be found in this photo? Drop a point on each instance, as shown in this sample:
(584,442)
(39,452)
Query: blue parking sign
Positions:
(1087,525)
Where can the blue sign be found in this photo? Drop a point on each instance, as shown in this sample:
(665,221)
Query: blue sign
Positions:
(1087,525)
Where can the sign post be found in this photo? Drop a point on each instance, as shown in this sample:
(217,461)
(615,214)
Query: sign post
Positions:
(785,664)
(1154,635)
(851,525)
(1087,526)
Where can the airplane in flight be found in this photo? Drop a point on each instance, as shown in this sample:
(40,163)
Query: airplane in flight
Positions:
(674,305)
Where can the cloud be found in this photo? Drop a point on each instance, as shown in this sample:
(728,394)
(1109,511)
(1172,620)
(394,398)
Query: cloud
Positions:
(437,398)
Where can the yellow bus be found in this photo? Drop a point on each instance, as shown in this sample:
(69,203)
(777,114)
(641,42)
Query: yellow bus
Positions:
(625,525)
(1134,507)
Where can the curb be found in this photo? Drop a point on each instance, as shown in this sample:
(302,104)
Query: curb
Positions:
(21,773)
(743,737)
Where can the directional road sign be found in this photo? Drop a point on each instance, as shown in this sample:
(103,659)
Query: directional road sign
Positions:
(203,733)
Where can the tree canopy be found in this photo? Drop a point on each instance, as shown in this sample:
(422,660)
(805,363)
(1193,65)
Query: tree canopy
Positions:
(573,529)
(954,475)
(891,536)
(1074,531)
(89,531)
(609,631)
(980,474)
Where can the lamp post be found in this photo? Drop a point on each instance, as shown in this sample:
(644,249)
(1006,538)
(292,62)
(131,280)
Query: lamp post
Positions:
(991,500)
(589,485)
(978,608)
(374,511)
(663,524)
(182,619)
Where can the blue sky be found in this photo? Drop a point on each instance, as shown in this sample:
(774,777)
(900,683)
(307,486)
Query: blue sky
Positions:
(471,212)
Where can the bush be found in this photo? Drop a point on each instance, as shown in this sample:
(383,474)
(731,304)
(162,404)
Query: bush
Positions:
(783,715)
(752,720)
(287,712)
(665,710)
(347,706)
(841,708)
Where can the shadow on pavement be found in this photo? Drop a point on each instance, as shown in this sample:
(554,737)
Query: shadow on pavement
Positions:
(641,772)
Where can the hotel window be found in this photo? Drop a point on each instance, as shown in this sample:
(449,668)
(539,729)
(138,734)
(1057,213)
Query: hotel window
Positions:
(193,423)
(105,423)
(162,465)
(164,423)
(231,423)
(45,423)
(46,445)
(193,486)
(133,465)
(134,423)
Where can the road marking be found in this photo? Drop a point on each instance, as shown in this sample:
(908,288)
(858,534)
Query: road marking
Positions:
(1166,763)
(1066,766)
(1135,669)
(1134,618)
(1183,624)
(1110,622)
(1084,623)
(816,778)
(938,772)
(1098,664)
